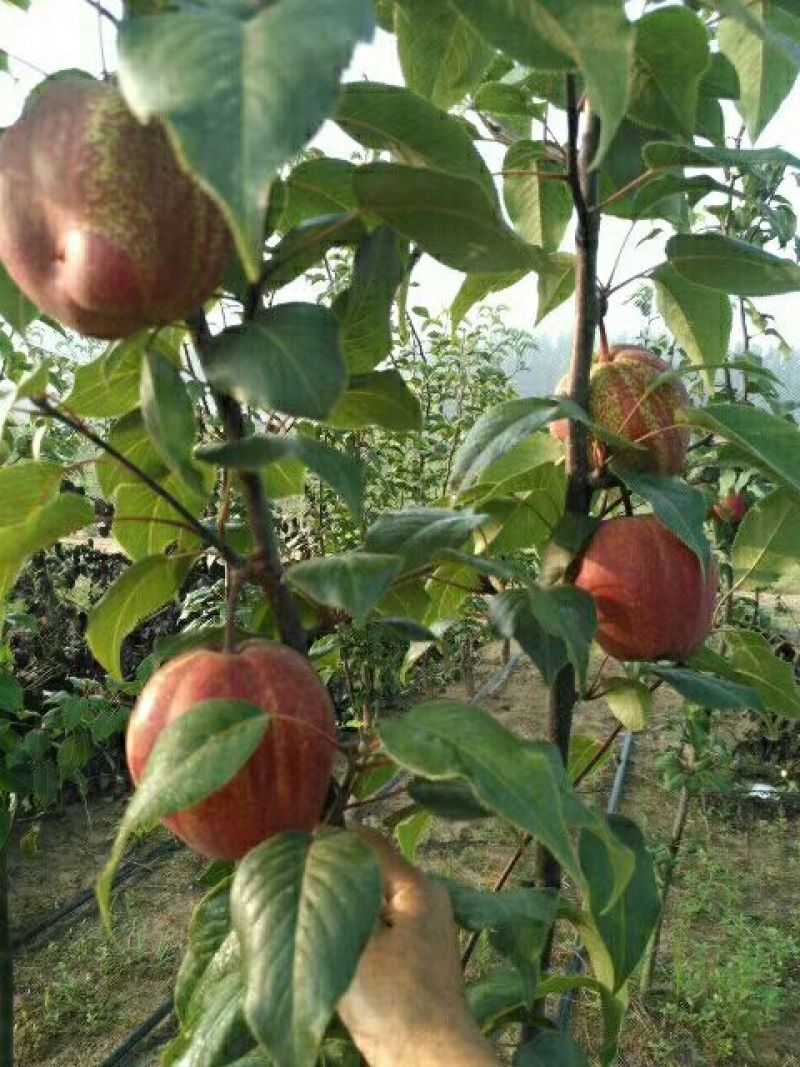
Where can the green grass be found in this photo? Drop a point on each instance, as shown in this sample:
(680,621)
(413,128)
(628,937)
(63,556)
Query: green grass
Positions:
(81,984)
(732,966)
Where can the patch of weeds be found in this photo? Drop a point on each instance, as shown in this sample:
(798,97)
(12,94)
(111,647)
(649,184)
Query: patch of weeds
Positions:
(731,974)
(82,985)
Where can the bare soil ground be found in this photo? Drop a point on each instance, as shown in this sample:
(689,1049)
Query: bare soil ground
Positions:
(79,996)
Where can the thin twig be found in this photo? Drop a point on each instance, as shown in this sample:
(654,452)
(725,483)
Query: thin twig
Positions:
(631,187)
(204,533)
(26,63)
(235,580)
(106,14)
(584,187)
(498,885)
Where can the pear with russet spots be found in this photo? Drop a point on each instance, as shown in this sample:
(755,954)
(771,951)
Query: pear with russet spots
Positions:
(626,399)
(100,226)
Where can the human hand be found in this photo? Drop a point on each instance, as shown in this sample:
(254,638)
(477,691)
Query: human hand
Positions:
(406,1006)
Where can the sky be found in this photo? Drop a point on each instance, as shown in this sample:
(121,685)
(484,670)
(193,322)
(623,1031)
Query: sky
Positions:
(57,34)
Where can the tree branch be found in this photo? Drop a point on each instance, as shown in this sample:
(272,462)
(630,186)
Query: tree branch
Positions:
(584,185)
(268,567)
(207,535)
(104,12)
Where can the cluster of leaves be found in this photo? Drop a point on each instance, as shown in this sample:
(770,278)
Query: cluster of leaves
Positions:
(311,377)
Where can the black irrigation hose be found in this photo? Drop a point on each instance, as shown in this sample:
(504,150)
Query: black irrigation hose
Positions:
(122,1054)
(576,964)
(87,899)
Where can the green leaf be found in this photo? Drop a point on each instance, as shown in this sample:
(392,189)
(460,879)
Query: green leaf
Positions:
(139,591)
(12,697)
(417,534)
(380,398)
(497,432)
(392,119)
(594,35)
(193,757)
(523,782)
(518,920)
(108,387)
(710,121)
(708,691)
(366,307)
(669,154)
(447,800)
(497,999)
(449,586)
(556,283)
(513,104)
(787,42)
(514,472)
(539,208)
(410,833)
(678,506)
(303,909)
(128,437)
(32,384)
(318,187)
(585,757)
(16,309)
(305,245)
(729,265)
(479,909)
(283,479)
(353,582)
(526,521)
(626,926)
(343,473)
(670,58)
(289,358)
(217,1030)
(145,524)
(750,660)
(720,80)
(168,416)
(25,487)
(245,95)
(476,287)
(766,72)
(631,703)
(441,55)
(766,552)
(450,217)
(554,626)
(772,444)
(699,320)
(549,1049)
(63,515)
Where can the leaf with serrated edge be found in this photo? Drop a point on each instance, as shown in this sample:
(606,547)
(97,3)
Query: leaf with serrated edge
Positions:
(304,908)
(518,780)
(245,95)
(353,582)
(770,443)
(288,358)
(766,552)
(138,592)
